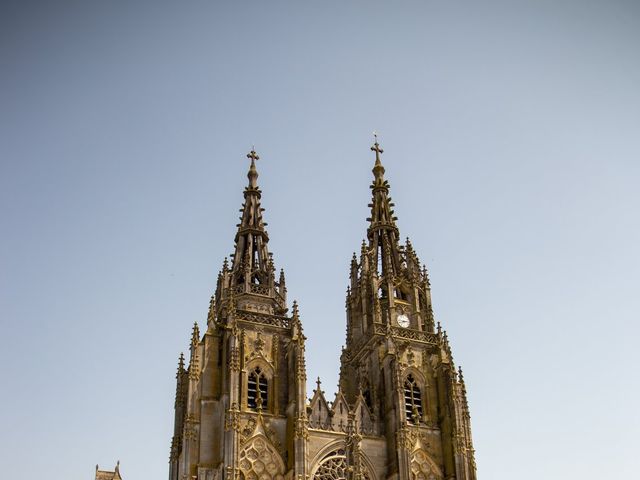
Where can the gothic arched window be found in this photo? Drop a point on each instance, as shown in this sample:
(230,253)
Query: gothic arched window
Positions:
(412,400)
(332,467)
(257,389)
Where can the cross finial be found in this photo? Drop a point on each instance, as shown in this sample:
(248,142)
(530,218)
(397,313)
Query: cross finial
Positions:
(376,147)
(318,383)
(253,173)
(253,155)
(378,169)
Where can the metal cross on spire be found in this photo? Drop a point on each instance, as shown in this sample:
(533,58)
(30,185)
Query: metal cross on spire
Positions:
(253,155)
(253,173)
(376,148)
(378,169)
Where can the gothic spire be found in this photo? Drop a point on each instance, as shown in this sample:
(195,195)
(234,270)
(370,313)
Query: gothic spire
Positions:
(252,270)
(382,232)
(251,260)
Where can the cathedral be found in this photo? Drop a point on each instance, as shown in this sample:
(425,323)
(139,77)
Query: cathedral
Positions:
(241,406)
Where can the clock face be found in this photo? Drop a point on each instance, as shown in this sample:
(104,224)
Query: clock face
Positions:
(403,320)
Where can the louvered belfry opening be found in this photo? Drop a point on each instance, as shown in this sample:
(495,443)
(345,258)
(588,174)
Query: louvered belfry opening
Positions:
(412,400)
(257,389)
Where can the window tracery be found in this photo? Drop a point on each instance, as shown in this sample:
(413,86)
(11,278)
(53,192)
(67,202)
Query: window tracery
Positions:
(258,461)
(422,469)
(334,467)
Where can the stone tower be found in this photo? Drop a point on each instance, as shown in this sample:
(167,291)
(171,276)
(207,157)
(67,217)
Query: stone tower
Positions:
(240,405)
(400,411)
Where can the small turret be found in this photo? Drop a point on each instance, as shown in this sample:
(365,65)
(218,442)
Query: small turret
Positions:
(282,287)
(194,364)
(212,313)
(195,335)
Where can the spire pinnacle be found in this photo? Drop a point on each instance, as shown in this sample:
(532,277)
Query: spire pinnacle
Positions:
(181,362)
(378,169)
(195,334)
(253,173)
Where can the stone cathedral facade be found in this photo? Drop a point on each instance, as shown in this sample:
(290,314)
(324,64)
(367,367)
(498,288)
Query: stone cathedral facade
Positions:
(241,406)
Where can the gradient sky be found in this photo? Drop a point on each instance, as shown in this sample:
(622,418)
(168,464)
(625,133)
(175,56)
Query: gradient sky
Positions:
(511,132)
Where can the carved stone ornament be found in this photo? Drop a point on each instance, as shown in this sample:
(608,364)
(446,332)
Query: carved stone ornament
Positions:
(411,357)
(232,419)
(190,433)
(302,427)
(405,438)
(234,359)
(258,425)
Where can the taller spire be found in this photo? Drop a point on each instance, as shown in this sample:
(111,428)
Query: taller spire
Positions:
(382,232)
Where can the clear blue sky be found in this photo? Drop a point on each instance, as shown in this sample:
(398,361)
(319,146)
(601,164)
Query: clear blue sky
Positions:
(511,132)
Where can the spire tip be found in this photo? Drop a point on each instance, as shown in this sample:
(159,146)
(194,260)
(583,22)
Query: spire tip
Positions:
(253,172)
(378,169)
